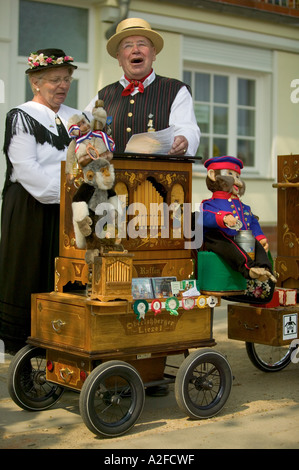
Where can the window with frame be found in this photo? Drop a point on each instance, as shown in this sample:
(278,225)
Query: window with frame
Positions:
(70,33)
(226,107)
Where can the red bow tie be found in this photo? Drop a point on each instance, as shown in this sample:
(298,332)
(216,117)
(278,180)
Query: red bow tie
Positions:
(134,84)
(131,87)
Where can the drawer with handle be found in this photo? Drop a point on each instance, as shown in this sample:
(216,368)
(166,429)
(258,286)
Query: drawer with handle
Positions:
(59,323)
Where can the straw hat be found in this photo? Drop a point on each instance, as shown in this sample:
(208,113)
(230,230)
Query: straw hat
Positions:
(45,59)
(134,27)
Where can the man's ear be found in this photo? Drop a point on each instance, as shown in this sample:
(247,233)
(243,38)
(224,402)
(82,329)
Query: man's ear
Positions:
(119,59)
(211,175)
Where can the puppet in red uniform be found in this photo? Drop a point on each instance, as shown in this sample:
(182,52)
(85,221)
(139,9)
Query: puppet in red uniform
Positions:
(224,215)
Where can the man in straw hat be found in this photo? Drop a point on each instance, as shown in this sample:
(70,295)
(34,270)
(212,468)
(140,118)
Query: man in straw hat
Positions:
(142,101)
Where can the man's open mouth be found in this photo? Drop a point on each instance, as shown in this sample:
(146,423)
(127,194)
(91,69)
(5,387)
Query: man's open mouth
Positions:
(137,60)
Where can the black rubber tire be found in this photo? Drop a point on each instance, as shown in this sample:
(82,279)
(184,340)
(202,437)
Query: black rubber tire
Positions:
(27,384)
(112,398)
(203,383)
(268,358)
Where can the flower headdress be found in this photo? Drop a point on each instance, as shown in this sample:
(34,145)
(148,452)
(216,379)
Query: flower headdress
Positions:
(48,58)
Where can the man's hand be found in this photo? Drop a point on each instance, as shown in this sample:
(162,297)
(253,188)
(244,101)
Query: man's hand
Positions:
(179,146)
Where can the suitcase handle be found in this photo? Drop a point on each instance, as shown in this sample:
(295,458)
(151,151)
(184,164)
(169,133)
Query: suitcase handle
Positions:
(256,327)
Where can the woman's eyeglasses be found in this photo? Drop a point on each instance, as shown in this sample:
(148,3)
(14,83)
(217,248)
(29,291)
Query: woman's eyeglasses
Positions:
(58,80)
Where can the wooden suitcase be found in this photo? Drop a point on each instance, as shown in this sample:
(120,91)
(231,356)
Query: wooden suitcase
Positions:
(270,326)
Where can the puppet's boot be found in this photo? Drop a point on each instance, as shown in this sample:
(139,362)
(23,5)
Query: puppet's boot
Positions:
(261,274)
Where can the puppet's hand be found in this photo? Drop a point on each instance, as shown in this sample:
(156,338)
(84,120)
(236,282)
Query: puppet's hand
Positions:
(265,244)
(85,226)
(107,155)
(232,222)
(229,220)
(69,178)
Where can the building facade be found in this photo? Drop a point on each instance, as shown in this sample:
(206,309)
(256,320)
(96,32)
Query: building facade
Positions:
(240,58)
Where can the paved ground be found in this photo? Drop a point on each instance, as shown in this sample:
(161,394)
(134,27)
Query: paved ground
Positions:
(261,413)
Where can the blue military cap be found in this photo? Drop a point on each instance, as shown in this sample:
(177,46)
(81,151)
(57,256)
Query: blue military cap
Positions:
(223,163)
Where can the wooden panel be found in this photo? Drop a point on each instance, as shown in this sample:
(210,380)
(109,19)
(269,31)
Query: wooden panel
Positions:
(288,269)
(257,324)
(128,334)
(112,328)
(66,369)
(132,173)
(150,369)
(112,277)
(288,222)
(287,264)
(59,323)
(167,255)
(70,270)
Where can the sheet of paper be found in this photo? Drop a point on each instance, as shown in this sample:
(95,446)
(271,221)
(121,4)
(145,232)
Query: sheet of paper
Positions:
(159,142)
(193,292)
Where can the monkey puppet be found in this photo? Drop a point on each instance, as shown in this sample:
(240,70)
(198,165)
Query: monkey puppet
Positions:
(94,200)
(224,214)
(88,140)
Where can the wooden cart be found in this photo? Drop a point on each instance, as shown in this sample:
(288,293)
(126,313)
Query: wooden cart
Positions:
(99,347)
(102,350)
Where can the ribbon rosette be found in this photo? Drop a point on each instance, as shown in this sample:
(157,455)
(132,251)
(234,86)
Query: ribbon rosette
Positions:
(156,306)
(172,304)
(188,303)
(140,308)
(201,301)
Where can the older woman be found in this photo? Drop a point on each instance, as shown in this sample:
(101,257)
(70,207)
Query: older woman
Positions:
(36,141)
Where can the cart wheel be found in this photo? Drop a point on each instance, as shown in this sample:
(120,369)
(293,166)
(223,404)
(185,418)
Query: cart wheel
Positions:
(27,384)
(269,358)
(203,384)
(112,398)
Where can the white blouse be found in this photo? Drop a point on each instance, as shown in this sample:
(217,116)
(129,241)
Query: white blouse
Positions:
(38,167)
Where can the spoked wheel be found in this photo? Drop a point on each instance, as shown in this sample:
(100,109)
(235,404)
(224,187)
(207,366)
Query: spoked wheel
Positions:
(269,358)
(203,384)
(27,384)
(112,398)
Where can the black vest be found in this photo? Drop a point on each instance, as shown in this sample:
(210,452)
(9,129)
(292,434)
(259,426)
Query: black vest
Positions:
(132,114)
